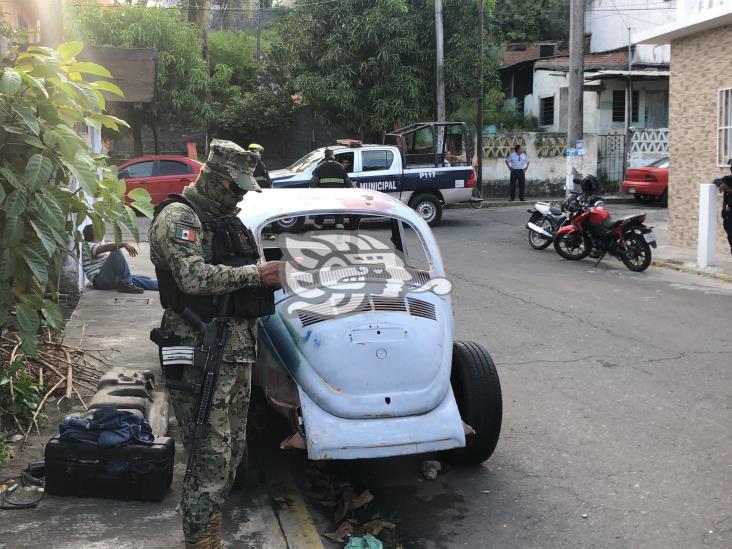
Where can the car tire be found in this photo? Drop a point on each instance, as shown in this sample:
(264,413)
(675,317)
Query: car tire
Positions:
(428,206)
(288,225)
(477,392)
(663,199)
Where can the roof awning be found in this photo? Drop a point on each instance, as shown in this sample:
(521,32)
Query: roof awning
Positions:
(691,24)
(640,73)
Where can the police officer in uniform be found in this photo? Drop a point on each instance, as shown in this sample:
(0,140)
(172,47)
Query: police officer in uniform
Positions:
(202,251)
(330,174)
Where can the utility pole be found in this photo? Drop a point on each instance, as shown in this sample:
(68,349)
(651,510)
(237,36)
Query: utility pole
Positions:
(259,30)
(440,61)
(479,123)
(629,111)
(576,83)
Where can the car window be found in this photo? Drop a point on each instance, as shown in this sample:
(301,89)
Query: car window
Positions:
(306,161)
(139,169)
(376,160)
(345,160)
(172,167)
(663,163)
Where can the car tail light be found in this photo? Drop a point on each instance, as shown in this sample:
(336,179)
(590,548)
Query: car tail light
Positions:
(471,180)
(651,177)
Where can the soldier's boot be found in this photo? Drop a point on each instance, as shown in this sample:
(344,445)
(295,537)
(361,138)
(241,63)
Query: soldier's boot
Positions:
(204,543)
(317,227)
(215,536)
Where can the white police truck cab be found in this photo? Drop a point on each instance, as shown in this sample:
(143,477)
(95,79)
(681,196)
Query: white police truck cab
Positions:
(425,165)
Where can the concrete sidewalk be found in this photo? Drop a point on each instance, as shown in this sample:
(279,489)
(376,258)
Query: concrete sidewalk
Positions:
(681,258)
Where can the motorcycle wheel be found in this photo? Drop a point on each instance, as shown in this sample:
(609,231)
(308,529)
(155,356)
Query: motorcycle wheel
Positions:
(638,255)
(536,240)
(573,246)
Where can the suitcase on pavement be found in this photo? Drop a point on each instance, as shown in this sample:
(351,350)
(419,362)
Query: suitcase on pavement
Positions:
(128,472)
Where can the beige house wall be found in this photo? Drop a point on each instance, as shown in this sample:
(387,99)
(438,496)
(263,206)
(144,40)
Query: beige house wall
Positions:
(700,66)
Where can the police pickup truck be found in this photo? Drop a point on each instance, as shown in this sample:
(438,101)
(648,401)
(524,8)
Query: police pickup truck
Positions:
(425,165)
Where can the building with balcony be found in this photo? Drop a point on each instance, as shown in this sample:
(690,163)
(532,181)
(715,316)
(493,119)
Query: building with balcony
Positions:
(700,111)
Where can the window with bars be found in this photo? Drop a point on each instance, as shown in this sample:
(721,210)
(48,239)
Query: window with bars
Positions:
(546,114)
(724,127)
(619,106)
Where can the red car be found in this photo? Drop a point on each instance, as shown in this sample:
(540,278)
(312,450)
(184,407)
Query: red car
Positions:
(160,175)
(649,182)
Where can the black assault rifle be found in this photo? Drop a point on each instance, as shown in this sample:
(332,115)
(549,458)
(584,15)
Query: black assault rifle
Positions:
(207,357)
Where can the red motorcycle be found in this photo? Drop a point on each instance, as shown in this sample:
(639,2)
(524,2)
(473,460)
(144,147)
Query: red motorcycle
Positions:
(591,231)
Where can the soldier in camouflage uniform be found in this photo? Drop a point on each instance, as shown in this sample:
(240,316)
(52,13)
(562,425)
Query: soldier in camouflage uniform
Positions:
(180,244)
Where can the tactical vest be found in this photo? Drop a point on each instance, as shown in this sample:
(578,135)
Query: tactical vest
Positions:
(233,245)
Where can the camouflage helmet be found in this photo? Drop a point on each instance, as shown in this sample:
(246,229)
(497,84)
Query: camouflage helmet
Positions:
(229,160)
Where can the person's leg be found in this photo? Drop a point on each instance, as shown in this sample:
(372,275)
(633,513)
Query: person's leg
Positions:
(727,223)
(512,185)
(318,221)
(238,408)
(521,183)
(205,491)
(145,282)
(114,272)
(339,222)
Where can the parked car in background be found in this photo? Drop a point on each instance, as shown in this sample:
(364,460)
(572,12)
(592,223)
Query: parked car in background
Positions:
(649,182)
(159,175)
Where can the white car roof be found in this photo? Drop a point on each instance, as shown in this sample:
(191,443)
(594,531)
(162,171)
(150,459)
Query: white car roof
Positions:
(258,209)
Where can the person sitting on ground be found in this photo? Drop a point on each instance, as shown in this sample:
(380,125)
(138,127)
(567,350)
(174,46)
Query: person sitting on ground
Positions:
(107,269)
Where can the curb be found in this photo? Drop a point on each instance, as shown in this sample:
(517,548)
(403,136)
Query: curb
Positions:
(529,202)
(668,264)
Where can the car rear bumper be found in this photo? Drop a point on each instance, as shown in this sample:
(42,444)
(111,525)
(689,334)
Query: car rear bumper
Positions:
(650,188)
(331,437)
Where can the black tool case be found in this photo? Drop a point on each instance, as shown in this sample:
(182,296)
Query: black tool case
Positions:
(129,472)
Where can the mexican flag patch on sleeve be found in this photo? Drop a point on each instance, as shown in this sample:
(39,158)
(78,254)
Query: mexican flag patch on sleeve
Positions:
(184,233)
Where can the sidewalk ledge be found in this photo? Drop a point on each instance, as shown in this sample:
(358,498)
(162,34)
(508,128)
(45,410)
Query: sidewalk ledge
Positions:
(529,202)
(677,265)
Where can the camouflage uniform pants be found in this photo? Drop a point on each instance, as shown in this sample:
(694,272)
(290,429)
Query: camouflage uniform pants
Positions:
(219,452)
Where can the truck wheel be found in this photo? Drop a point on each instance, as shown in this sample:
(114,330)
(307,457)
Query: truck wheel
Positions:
(288,225)
(428,206)
(477,391)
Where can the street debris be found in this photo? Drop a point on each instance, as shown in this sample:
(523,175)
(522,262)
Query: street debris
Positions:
(348,504)
(430,469)
(365,542)
(584,515)
(55,366)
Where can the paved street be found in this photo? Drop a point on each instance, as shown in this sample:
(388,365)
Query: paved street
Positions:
(616,403)
(616,418)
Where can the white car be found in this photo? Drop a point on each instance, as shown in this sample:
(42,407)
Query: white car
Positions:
(360,355)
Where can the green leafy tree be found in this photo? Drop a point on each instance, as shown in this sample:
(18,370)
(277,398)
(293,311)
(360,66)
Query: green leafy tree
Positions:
(371,65)
(183,79)
(531,20)
(44,95)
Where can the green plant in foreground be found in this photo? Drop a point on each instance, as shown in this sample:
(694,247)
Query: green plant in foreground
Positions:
(20,397)
(51,182)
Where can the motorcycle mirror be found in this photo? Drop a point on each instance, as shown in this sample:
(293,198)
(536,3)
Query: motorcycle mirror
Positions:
(599,204)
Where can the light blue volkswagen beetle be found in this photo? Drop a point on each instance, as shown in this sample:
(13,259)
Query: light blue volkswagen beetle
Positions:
(360,354)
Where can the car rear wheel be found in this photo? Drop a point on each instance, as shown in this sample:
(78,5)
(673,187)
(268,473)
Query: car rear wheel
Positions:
(477,391)
(428,206)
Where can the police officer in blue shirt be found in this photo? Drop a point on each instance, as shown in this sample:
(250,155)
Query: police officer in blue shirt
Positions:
(517,163)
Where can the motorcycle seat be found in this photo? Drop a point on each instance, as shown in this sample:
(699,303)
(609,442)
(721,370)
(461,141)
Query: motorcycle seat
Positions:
(555,210)
(612,223)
